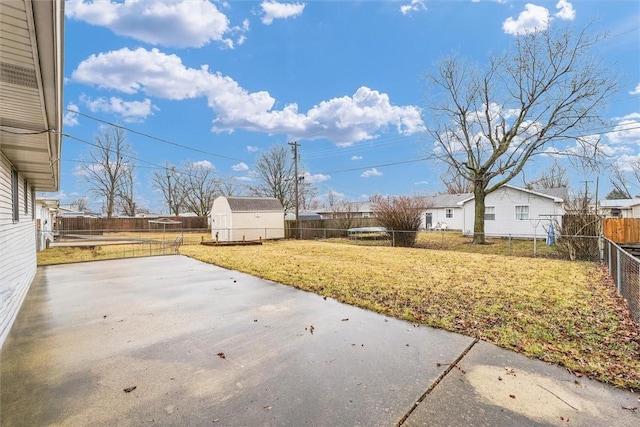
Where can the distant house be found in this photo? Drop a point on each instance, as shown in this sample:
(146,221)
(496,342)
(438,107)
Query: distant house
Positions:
(46,211)
(516,212)
(31,66)
(620,208)
(509,211)
(348,210)
(443,211)
(246,218)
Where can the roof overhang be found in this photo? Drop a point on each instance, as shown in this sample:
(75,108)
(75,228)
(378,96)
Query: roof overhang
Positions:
(31,80)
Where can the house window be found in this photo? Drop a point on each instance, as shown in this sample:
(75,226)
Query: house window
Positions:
(448,213)
(25,194)
(522,213)
(490,213)
(366,215)
(15,198)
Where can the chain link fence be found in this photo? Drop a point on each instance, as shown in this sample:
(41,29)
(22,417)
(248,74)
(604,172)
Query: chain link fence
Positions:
(624,268)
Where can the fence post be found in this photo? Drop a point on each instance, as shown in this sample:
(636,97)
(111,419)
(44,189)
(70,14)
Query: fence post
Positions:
(393,238)
(618,270)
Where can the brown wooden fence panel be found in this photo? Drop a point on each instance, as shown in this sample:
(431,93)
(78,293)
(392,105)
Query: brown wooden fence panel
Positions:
(82,225)
(622,230)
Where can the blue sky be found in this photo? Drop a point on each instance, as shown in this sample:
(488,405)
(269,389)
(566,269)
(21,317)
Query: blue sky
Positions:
(345,79)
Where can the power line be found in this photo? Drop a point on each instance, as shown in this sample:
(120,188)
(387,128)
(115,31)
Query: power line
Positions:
(186,147)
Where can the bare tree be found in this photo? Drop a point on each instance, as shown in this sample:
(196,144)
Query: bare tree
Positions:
(276,178)
(555,177)
(455,183)
(125,194)
(168,182)
(107,166)
(200,187)
(401,214)
(80,204)
(543,94)
(229,187)
(620,178)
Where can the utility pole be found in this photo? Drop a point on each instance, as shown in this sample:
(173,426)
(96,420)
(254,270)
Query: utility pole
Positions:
(294,147)
(586,196)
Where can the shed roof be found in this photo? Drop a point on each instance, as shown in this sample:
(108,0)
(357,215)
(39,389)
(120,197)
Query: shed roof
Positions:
(254,204)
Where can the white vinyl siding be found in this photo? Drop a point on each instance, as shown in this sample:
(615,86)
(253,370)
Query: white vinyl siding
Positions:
(18,243)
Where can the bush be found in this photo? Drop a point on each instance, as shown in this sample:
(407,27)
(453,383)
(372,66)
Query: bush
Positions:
(401,214)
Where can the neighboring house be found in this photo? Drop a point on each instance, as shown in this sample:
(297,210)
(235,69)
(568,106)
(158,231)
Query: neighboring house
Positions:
(620,208)
(348,210)
(46,211)
(246,218)
(443,211)
(509,211)
(31,76)
(516,212)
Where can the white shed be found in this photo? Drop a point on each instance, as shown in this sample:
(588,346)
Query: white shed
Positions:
(246,218)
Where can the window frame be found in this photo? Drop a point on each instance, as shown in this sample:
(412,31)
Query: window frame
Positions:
(519,216)
(492,213)
(448,213)
(15,196)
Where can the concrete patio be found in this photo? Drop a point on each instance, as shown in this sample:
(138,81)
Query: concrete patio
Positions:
(173,341)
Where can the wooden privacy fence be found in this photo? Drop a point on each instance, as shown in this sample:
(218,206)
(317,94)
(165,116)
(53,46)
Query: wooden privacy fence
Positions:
(80,225)
(621,230)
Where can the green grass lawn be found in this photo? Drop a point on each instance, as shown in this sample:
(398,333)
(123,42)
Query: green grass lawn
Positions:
(554,310)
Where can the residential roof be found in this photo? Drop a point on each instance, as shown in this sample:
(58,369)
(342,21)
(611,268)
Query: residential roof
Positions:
(619,203)
(254,204)
(456,200)
(31,80)
(445,200)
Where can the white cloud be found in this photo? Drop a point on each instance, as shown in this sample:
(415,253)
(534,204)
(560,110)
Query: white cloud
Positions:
(243,178)
(414,6)
(343,120)
(371,172)
(179,23)
(566,12)
(242,166)
(632,116)
(533,18)
(356,157)
(252,148)
(130,111)
(70,118)
(635,91)
(204,164)
(275,10)
(315,178)
(626,132)
(421,183)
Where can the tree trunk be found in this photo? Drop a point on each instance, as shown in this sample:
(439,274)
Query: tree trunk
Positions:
(478,224)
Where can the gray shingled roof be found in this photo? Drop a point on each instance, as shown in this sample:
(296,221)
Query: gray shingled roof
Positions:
(445,200)
(254,204)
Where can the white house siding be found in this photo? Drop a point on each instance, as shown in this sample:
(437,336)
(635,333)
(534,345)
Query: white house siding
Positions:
(439,215)
(504,200)
(17,247)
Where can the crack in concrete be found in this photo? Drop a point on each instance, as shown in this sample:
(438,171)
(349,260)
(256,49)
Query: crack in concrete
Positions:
(436,382)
